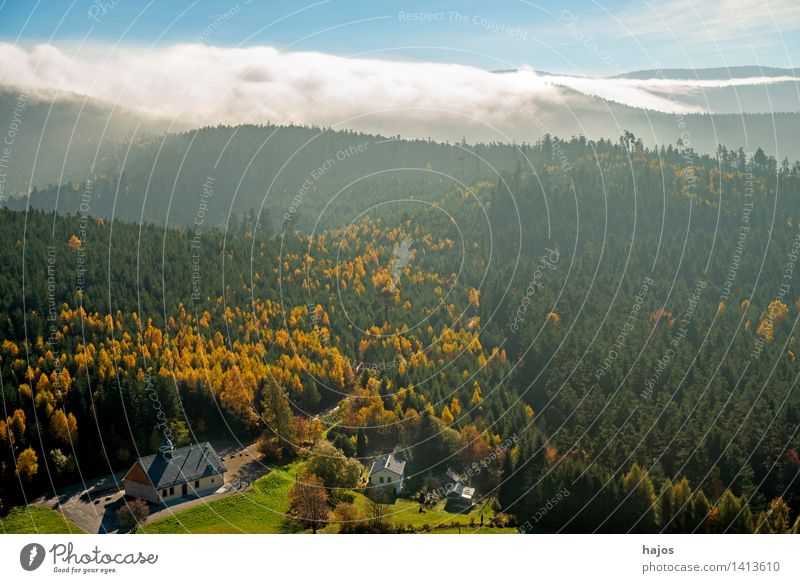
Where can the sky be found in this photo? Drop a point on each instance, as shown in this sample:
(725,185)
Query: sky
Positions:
(419,69)
(601,38)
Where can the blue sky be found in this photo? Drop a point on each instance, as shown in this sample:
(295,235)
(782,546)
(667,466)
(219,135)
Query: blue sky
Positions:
(589,38)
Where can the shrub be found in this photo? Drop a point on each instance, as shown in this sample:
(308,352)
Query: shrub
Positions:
(335,469)
(132,513)
(349,517)
(341,497)
(271,449)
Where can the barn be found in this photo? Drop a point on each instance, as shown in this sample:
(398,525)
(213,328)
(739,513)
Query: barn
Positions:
(174,473)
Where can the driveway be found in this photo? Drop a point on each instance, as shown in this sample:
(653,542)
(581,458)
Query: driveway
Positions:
(243,469)
(92,506)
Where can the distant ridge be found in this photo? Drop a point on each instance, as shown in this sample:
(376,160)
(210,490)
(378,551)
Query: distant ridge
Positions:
(711,74)
(703,74)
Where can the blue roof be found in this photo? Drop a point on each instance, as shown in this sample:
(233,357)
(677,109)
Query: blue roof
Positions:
(183,465)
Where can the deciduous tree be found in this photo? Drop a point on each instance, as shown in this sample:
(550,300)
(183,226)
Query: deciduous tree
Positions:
(308,500)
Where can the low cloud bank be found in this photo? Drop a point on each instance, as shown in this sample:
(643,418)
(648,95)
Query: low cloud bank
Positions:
(202,85)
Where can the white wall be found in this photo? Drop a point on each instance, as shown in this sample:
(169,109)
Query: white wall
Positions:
(205,484)
(389,479)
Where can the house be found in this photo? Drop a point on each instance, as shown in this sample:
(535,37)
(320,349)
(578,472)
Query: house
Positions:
(459,495)
(175,473)
(387,471)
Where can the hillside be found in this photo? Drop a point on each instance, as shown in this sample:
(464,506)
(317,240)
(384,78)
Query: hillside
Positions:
(596,303)
(264,171)
(57,137)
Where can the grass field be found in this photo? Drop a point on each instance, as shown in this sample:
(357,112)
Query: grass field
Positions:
(475,530)
(261,510)
(36,520)
(406,513)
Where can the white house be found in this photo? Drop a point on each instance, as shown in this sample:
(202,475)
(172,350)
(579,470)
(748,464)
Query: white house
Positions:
(175,473)
(387,472)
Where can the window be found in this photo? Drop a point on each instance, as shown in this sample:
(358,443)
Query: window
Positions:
(197,483)
(388,479)
(171,490)
(381,479)
(164,492)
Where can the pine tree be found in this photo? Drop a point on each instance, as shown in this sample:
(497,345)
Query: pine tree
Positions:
(667,505)
(701,519)
(361,444)
(641,506)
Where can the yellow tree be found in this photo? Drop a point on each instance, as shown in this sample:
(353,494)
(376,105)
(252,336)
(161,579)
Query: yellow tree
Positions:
(64,427)
(476,395)
(447,416)
(27,464)
(237,396)
(17,425)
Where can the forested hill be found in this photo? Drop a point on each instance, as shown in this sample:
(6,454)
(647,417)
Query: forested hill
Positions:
(117,165)
(626,317)
(54,138)
(253,168)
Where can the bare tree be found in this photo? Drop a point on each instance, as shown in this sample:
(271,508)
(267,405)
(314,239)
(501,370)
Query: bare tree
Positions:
(377,511)
(132,513)
(309,502)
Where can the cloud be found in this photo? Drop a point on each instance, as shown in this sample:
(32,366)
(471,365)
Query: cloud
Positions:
(710,20)
(196,85)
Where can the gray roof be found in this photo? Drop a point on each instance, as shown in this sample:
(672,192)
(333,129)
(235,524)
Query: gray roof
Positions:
(461,491)
(388,462)
(185,464)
